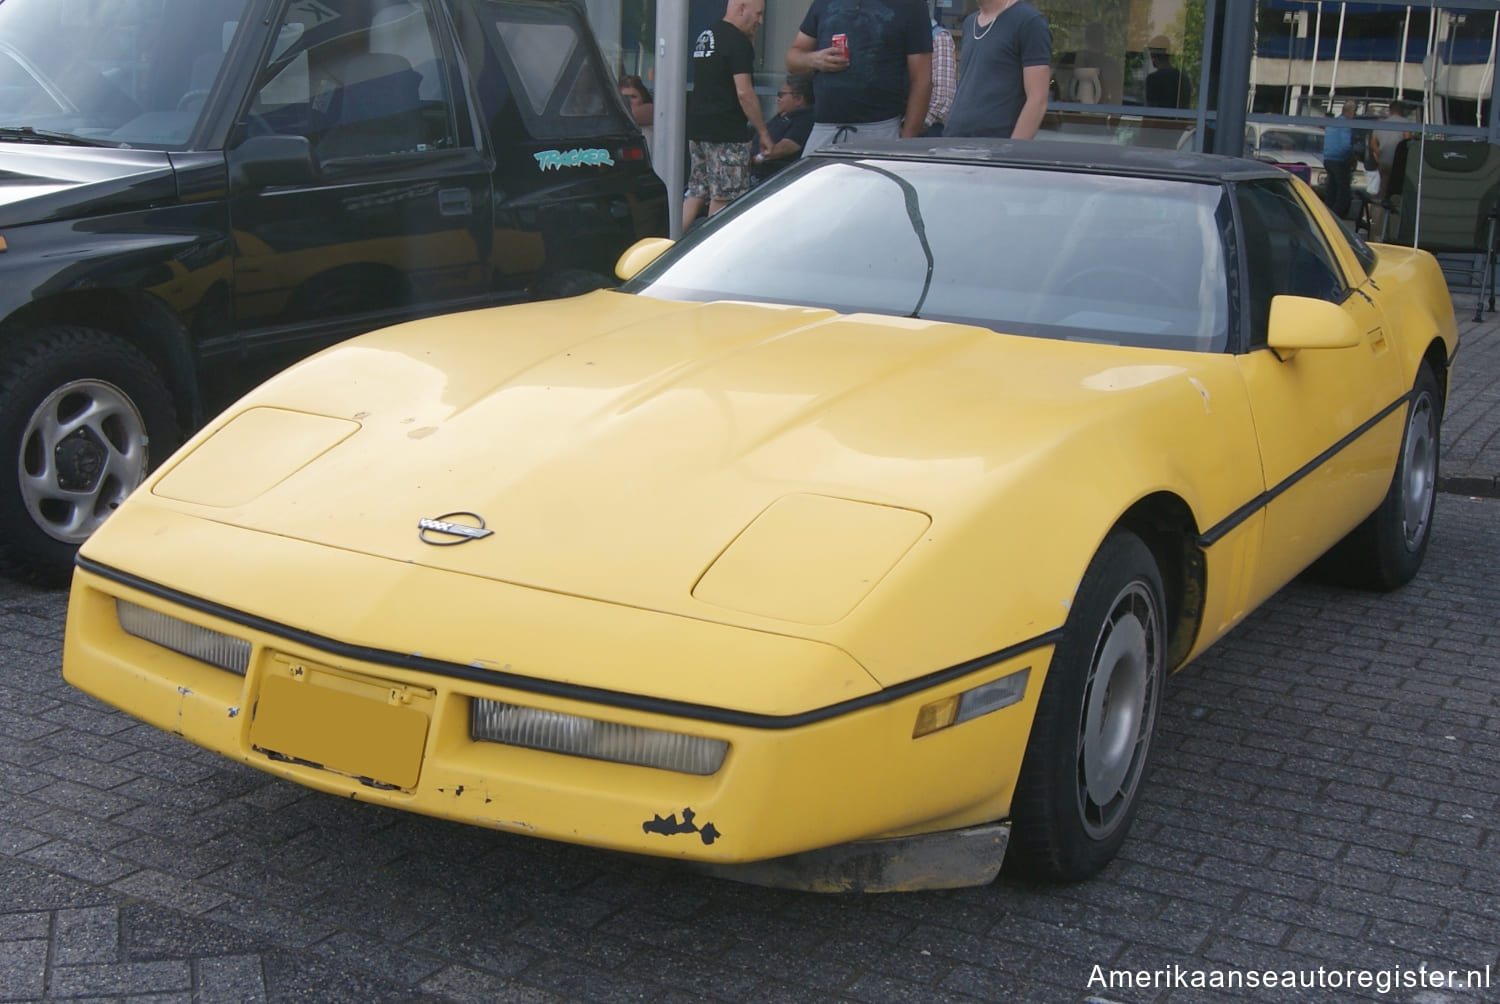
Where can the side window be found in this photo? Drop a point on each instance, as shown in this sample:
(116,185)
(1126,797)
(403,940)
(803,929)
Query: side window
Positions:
(541,54)
(1362,250)
(1284,252)
(553,70)
(358,79)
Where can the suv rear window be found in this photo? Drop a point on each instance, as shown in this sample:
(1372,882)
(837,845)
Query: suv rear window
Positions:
(563,94)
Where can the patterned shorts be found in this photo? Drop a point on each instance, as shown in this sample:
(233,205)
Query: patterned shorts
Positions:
(720,171)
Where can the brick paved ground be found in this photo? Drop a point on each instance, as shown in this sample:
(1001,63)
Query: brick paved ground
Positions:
(1327,794)
(1471,425)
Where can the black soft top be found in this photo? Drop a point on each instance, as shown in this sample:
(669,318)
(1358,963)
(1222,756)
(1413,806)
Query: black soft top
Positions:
(1093,158)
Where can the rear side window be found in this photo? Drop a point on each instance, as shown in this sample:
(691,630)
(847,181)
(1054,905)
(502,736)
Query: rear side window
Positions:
(1285,252)
(555,71)
(543,55)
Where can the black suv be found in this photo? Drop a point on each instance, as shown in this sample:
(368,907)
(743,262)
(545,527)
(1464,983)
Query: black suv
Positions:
(194,193)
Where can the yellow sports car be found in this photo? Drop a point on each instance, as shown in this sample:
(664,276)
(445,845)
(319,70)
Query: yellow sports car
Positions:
(847,545)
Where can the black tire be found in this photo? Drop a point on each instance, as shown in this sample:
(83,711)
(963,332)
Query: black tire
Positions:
(84,417)
(1090,742)
(1386,550)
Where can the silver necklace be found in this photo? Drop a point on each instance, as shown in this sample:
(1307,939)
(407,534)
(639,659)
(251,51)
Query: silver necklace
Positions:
(980,34)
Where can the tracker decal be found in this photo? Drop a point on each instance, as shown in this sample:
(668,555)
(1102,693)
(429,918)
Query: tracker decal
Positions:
(554,160)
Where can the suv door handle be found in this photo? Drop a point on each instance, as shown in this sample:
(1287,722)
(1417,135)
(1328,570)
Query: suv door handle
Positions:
(455,202)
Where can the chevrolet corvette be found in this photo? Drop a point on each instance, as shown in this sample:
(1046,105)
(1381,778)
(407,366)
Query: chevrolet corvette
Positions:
(847,544)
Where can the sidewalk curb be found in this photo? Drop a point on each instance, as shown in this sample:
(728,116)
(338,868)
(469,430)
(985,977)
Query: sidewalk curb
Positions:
(1488,488)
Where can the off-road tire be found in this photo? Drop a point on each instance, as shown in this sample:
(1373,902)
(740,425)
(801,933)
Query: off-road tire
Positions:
(83,416)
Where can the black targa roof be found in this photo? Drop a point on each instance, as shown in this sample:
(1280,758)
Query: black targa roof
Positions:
(1092,158)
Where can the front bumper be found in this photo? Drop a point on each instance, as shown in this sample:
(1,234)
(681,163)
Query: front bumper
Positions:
(395,730)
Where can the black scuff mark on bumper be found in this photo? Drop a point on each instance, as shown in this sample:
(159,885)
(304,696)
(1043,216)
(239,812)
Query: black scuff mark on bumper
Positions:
(370,782)
(670,826)
(366,781)
(284,758)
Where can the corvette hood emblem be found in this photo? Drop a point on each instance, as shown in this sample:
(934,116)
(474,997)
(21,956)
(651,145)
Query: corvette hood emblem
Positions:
(444,532)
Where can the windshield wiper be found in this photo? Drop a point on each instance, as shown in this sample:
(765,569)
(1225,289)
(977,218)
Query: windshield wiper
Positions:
(918,227)
(31,134)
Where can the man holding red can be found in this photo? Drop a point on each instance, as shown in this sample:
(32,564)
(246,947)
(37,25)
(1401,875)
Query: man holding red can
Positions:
(872,66)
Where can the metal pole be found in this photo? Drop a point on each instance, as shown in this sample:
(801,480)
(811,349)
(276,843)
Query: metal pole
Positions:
(1428,88)
(1487,275)
(669,122)
(1292,105)
(1237,48)
(1338,50)
(1401,59)
(1312,65)
(1205,61)
(1494,107)
(1487,85)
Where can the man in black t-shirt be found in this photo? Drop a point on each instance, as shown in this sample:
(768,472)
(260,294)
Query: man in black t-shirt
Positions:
(722,99)
(1004,74)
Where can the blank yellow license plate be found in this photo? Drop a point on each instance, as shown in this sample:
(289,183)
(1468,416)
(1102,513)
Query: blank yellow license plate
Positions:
(340,731)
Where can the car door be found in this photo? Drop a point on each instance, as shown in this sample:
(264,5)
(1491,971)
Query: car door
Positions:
(394,216)
(1328,421)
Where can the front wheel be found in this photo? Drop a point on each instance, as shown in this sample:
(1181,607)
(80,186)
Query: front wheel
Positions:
(1090,742)
(83,417)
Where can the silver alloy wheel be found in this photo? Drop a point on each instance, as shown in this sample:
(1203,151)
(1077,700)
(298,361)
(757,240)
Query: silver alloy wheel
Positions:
(82,451)
(1119,709)
(1418,471)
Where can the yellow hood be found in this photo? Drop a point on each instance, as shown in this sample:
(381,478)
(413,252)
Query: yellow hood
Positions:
(617,445)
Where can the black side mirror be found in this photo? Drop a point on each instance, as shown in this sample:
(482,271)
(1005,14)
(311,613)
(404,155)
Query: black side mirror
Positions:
(263,161)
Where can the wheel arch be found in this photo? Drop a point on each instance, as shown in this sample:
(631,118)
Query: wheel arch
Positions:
(137,318)
(1436,356)
(1165,523)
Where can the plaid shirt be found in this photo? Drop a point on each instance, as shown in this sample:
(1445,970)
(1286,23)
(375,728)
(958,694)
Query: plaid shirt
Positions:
(944,75)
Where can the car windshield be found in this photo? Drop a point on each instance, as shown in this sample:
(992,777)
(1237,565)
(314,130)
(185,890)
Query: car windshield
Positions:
(1057,254)
(113,72)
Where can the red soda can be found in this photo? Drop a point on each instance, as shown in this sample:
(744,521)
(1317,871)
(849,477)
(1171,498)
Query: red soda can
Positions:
(841,43)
